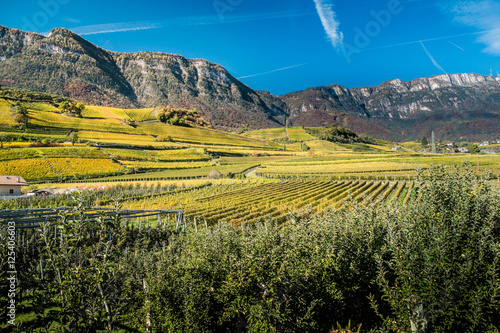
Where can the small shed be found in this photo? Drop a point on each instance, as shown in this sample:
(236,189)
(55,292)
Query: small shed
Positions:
(11,185)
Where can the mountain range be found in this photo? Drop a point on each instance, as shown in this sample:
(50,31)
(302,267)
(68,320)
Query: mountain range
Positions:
(456,106)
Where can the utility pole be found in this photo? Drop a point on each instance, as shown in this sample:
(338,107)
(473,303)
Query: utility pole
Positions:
(433,144)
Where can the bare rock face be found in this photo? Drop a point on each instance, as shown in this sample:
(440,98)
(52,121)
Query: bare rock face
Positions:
(457,106)
(64,63)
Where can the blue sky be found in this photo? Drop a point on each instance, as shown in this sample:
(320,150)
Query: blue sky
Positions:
(283,46)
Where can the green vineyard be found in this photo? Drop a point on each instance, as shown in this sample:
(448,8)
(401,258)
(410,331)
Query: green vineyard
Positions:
(277,200)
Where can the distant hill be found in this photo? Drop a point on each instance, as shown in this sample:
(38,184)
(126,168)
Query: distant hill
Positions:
(457,106)
(66,64)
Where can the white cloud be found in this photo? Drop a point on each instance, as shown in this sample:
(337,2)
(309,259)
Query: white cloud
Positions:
(330,23)
(483,15)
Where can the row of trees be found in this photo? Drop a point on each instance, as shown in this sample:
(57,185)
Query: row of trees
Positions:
(21,113)
(334,133)
(181,117)
(72,108)
(26,96)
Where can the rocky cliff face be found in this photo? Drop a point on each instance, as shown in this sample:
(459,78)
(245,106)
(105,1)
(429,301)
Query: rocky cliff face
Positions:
(454,106)
(66,64)
(457,106)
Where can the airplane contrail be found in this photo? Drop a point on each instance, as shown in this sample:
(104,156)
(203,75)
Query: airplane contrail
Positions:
(274,70)
(432,58)
(425,40)
(456,46)
(180,21)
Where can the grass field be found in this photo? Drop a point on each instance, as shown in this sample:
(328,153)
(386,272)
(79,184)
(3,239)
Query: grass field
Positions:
(83,166)
(339,168)
(6,116)
(199,135)
(29,169)
(294,133)
(373,165)
(52,119)
(141,114)
(126,139)
(158,155)
(80,152)
(165,165)
(184,173)
(18,154)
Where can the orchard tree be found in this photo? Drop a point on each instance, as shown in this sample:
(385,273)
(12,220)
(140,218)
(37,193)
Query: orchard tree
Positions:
(78,109)
(174,120)
(72,108)
(473,149)
(73,137)
(161,117)
(64,106)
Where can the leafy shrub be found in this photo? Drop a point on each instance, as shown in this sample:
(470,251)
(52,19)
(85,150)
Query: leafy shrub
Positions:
(431,265)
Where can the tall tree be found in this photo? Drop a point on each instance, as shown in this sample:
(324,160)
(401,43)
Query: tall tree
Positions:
(21,113)
(424,142)
(72,108)
(3,138)
(73,137)
(473,149)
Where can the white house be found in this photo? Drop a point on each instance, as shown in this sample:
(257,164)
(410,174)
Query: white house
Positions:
(11,185)
(485,143)
(462,150)
(488,151)
(397,148)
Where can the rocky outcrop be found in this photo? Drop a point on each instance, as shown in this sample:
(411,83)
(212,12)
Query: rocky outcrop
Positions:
(456,105)
(66,64)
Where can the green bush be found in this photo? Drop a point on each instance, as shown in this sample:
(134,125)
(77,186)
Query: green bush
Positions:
(439,270)
(431,265)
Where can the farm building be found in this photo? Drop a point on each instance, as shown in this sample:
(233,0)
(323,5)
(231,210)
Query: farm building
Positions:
(488,151)
(397,148)
(11,185)
(462,150)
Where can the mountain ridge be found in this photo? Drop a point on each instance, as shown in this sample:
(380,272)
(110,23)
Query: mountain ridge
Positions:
(395,109)
(66,64)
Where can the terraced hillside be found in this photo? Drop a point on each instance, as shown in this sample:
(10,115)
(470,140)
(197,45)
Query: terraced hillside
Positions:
(115,126)
(54,163)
